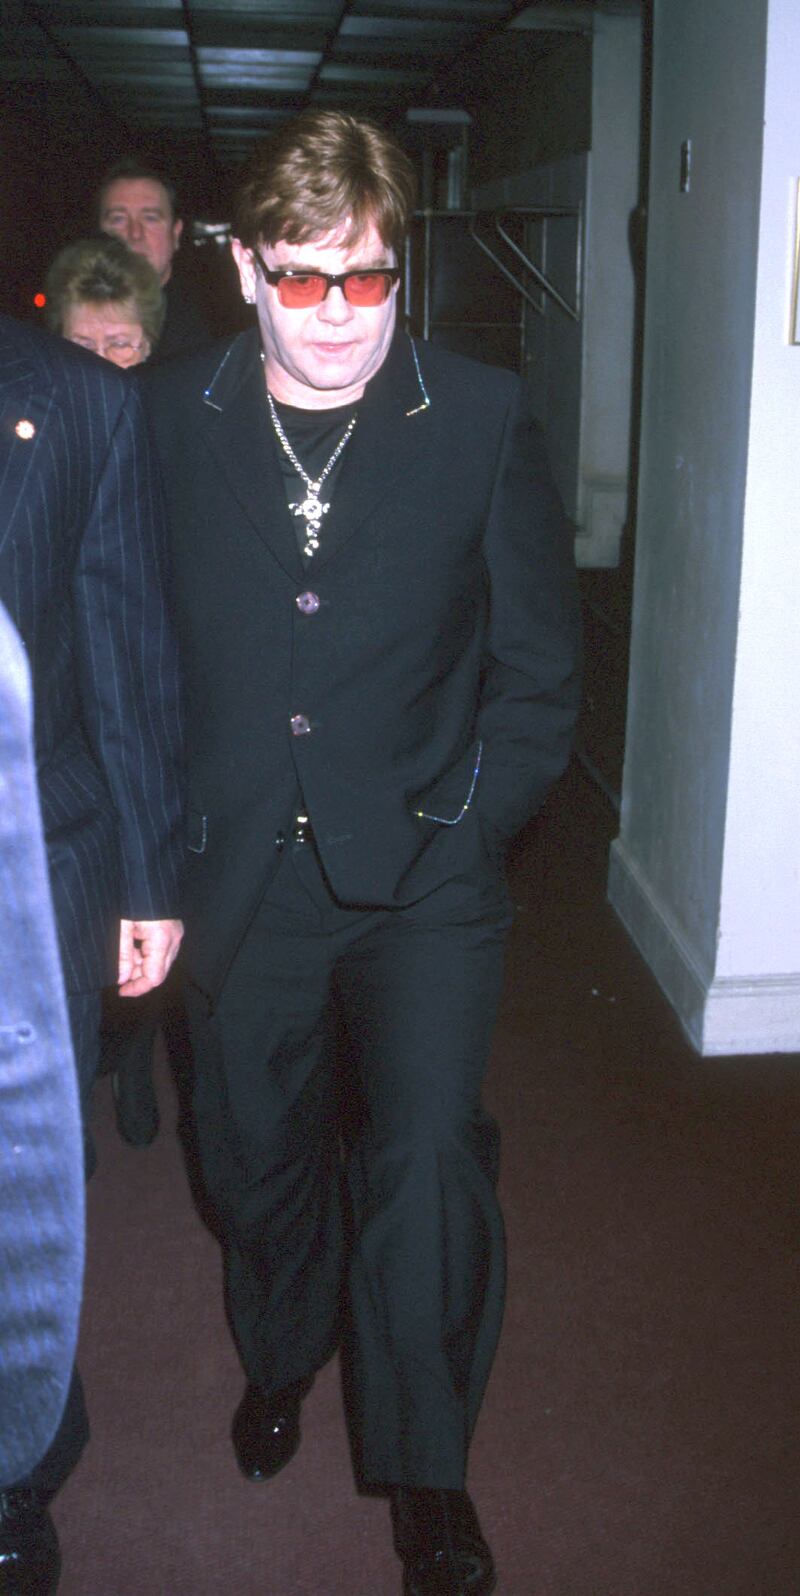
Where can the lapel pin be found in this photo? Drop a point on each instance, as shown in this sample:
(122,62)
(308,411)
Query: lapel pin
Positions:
(25,429)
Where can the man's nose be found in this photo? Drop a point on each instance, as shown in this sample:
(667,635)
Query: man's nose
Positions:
(334,307)
(134,230)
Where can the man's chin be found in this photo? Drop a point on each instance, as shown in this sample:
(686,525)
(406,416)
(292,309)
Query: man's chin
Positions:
(333,373)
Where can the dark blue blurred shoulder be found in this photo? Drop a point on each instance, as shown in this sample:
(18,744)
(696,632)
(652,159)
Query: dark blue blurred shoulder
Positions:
(52,362)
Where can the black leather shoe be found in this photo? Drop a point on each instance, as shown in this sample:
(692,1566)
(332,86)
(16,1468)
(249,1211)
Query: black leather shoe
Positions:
(135,1103)
(438,1538)
(30,1561)
(266,1429)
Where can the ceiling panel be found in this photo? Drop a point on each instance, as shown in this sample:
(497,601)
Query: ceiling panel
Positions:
(223,74)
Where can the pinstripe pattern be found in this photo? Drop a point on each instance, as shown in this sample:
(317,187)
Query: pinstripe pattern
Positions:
(41,1184)
(81,550)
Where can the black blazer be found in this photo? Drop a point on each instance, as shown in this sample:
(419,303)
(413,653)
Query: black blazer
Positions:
(81,554)
(184,326)
(443,643)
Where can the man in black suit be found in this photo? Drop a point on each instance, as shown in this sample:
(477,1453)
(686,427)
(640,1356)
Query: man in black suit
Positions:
(81,574)
(377,617)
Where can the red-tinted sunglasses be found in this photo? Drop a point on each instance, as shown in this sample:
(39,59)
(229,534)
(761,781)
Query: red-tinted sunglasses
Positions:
(302,290)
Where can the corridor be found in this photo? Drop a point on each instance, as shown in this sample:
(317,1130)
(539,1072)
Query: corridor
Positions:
(640,1435)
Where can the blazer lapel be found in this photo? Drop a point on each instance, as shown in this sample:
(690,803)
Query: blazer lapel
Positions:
(393,426)
(237,427)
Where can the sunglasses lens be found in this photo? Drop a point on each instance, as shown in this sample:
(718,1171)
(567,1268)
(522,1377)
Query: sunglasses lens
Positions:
(367,288)
(304,289)
(296,292)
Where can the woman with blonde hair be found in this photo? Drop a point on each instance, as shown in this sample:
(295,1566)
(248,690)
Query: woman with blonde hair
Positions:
(105,298)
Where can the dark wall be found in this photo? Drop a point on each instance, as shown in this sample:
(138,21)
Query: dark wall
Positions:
(529,95)
(56,144)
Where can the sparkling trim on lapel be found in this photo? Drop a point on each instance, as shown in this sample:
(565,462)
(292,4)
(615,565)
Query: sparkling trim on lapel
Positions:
(207,399)
(426,398)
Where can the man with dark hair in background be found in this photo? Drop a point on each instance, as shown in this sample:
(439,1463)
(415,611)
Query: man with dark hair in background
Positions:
(82,576)
(376,609)
(140,206)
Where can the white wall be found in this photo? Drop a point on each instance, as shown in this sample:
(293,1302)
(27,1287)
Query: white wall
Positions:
(609,290)
(760,899)
(705,871)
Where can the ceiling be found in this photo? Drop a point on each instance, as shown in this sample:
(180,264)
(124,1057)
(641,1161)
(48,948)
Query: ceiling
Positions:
(220,75)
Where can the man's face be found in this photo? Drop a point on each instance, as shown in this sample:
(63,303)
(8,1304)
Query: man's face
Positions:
(139,212)
(320,357)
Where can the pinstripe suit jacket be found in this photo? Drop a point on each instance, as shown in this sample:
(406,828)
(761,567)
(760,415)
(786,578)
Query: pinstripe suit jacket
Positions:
(41,1148)
(81,551)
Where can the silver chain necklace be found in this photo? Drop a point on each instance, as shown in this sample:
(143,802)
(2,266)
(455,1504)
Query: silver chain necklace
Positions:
(311,508)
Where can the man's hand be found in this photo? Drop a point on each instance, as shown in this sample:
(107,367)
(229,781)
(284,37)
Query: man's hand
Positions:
(147,950)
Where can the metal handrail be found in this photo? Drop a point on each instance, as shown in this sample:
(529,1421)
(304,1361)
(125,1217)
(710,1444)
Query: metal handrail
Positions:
(543,213)
(538,213)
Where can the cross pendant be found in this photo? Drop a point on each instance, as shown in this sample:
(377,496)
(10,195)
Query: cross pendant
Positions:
(312,508)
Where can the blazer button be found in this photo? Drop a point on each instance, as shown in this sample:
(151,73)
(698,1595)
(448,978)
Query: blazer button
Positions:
(300,725)
(280,841)
(307,603)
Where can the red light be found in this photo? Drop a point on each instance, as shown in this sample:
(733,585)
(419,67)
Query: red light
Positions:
(40,300)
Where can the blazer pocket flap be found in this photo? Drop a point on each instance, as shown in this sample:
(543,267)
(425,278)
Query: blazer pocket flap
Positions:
(196,831)
(448,798)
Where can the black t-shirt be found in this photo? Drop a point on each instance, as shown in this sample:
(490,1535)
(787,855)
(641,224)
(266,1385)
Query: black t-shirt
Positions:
(313,434)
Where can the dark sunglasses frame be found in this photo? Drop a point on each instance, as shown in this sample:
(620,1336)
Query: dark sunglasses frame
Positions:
(331,281)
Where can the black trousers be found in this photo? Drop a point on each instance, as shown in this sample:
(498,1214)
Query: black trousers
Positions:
(379,1227)
(128,1030)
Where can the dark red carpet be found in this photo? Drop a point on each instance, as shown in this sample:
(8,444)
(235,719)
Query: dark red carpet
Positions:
(640,1435)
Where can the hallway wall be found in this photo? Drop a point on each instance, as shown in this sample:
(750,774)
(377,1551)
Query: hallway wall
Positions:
(581,371)
(760,904)
(704,872)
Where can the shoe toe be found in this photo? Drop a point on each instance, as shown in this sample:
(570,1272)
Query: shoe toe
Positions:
(266,1431)
(439,1539)
(30,1560)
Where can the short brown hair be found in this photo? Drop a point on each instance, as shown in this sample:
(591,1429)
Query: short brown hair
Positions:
(103,271)
(131,170)
(319,170)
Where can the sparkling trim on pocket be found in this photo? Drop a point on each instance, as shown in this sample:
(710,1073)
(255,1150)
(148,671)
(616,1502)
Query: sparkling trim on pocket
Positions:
(441,820)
